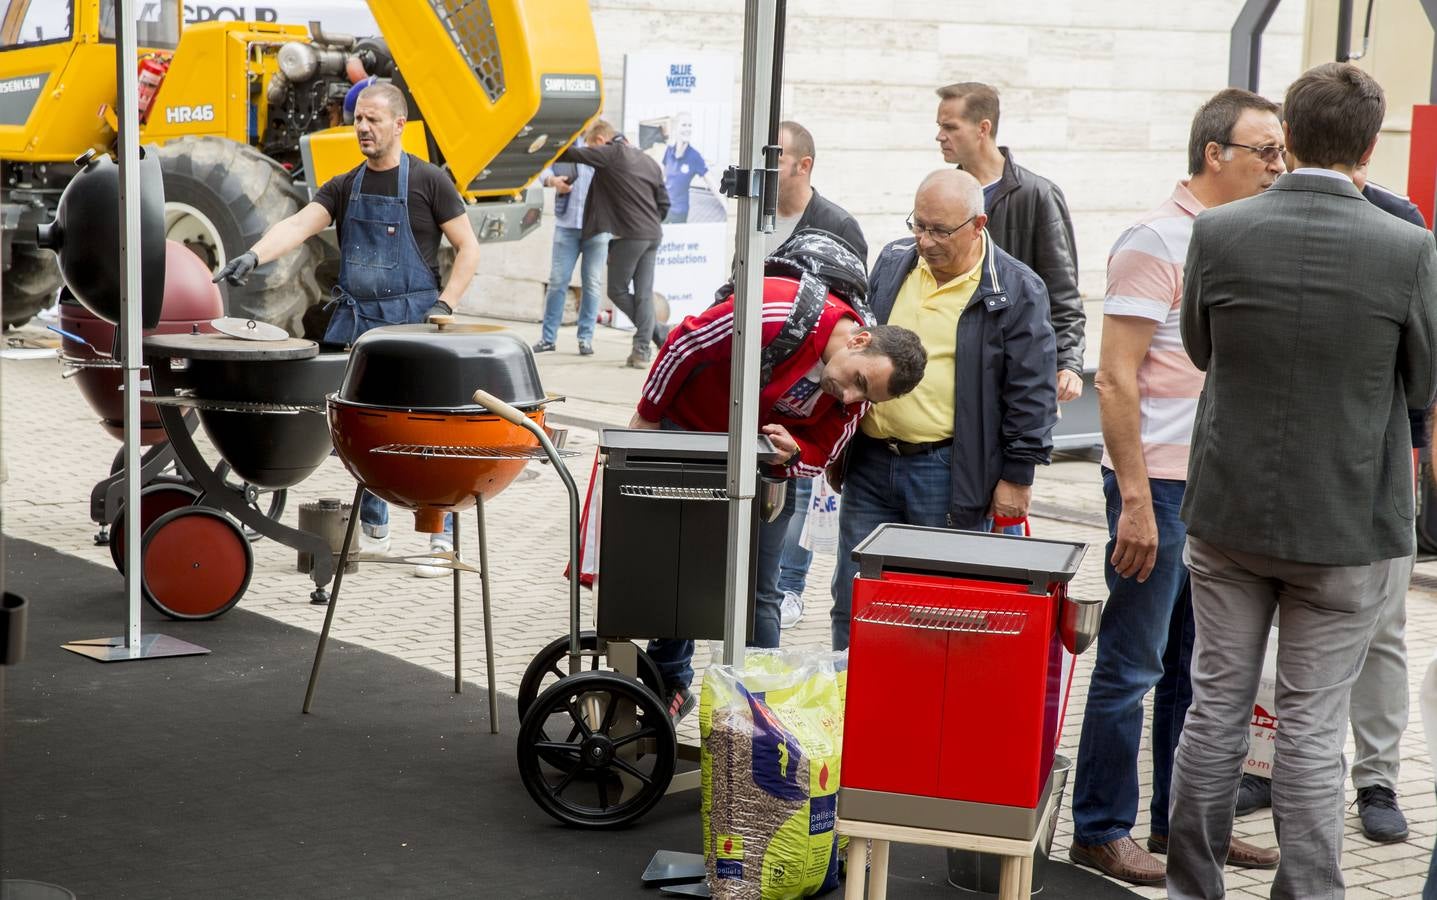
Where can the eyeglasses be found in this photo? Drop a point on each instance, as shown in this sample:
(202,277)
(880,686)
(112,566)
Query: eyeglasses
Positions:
(1267,154)
(934,232)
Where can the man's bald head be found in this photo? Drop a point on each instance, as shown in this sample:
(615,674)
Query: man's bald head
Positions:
(948,222)
(951,189)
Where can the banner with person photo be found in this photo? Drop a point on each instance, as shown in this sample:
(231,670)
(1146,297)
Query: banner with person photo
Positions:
(678,108)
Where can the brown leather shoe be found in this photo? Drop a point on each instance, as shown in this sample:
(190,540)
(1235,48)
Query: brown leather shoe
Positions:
(1240,854)
(1122,859)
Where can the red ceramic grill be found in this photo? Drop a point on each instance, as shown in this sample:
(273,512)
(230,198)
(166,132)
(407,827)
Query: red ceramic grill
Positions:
(955,679)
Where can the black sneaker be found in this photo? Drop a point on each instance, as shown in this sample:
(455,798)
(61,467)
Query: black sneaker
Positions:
(1382,820)
(681,702)
(543,346)
(586,348)
(1253,794)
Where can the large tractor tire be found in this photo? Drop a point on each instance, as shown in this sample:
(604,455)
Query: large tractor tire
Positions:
(30,284)
(220,197)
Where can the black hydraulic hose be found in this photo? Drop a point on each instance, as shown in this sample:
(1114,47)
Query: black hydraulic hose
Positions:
(769,212)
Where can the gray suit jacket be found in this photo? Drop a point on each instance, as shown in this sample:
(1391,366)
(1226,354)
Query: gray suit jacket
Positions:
(1314,314)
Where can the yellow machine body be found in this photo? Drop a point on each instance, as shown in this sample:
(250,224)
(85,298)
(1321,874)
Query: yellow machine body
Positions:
(500,89)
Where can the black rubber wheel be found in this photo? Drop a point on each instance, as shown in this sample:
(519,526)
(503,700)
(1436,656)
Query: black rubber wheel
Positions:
(266,502)
(197,563)
(156,499)
(617,740)
(220,197)
(552,664)
(31,283)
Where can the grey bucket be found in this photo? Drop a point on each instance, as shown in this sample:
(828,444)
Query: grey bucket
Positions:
(978,873)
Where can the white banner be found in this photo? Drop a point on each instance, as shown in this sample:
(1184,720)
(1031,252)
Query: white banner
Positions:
(678,108)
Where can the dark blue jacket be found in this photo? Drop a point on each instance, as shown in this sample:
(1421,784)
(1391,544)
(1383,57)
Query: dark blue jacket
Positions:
(1406,210)
(1005,400)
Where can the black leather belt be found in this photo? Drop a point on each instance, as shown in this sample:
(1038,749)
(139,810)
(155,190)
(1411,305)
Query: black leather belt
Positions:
(904,448)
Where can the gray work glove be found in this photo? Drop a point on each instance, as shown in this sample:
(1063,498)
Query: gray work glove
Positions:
(237,270)
(440,308)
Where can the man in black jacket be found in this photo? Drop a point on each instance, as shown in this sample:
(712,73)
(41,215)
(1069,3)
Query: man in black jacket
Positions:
(628,200)
(983,318)
(1027,215)
(799,205)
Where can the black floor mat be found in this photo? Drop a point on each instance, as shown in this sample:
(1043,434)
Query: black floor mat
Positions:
(199,777)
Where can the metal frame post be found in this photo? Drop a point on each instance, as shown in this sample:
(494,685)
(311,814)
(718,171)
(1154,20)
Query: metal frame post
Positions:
(1244,62)
(132,644)
(761,24)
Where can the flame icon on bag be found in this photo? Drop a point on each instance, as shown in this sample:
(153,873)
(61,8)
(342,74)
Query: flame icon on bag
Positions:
(823,777)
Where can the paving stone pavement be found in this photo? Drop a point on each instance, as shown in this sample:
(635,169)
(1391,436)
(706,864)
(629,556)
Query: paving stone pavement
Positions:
(55,451)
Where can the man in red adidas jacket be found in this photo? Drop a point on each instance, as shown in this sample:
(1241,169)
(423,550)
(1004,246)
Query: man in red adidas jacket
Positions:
(809,406)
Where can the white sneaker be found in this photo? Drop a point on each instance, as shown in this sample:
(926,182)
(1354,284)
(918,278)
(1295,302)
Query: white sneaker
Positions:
(368,543)
(440,567)
(790,610)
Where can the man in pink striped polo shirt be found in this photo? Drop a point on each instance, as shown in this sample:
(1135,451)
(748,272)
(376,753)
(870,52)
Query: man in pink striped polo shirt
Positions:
(1148,392)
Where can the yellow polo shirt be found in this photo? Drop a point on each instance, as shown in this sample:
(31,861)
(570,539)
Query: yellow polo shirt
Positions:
(931,310)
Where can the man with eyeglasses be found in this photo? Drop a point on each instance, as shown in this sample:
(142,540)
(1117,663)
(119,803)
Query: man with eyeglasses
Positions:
(961,448)
(1147,394)
(1027,215)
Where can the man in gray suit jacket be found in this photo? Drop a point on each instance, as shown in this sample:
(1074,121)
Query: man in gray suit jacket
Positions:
(1314,314)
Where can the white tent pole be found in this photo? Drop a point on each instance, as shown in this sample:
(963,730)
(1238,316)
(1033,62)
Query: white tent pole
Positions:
(126,56)
(758,62)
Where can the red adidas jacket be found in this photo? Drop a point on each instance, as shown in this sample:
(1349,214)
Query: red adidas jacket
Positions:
(689,381)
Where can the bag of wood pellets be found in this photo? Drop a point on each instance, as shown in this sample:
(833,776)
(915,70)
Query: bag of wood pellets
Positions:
(772,733)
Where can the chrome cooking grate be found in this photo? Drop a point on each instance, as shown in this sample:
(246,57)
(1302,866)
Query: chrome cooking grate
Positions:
(471,28)
(238,406)
(663,492)
(939,618)
(446,451)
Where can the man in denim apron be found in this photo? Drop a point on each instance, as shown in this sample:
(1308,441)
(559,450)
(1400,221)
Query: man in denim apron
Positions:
(389,242)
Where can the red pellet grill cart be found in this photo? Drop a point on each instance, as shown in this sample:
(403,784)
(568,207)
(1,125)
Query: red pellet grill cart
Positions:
(955,681)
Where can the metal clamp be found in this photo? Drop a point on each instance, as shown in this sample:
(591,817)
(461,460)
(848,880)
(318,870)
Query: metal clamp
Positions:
(736,182)
(664,492)
(939,618)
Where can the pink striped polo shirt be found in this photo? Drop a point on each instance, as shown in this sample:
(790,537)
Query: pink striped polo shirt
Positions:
(1145,279)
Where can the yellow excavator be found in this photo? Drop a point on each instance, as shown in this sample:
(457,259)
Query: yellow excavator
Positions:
(249,119)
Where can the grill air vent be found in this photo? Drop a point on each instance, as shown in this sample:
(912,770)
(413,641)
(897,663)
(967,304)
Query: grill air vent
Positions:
(471,27)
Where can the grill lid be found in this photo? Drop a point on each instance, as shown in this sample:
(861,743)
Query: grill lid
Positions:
(426,367)
(943,551)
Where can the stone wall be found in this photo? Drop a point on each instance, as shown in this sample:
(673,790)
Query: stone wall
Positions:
(1097,95)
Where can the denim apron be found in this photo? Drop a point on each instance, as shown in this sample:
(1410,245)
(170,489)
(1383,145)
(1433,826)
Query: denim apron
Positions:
(383,278)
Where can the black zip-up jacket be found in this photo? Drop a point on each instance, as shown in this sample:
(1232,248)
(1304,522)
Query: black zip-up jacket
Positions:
(627,197)
(825,215)
(1028,217)
(1005,399)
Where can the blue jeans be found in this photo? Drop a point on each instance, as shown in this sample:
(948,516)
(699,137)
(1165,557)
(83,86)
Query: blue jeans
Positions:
(1145,642)
(675,657)
(568,245)
(793,568)
(374,515)
(880,487)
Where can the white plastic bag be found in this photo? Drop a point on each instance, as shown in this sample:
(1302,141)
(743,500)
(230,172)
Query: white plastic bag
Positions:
(1263,739)
(820,527)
